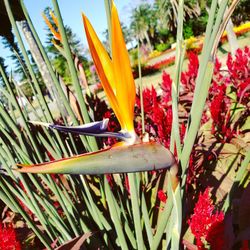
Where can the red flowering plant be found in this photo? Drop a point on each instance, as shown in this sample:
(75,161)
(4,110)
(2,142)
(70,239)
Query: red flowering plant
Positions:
(8,238)
(188,78)
(229,96)
(206,224)
(239,74)
(158,111)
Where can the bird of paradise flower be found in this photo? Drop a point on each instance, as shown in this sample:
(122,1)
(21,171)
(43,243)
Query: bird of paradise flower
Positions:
(129,155)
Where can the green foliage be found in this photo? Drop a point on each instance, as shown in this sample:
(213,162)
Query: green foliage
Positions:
(187,31)
(242,12)
(162,47)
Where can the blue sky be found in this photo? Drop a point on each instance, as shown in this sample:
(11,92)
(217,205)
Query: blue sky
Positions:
(71,13)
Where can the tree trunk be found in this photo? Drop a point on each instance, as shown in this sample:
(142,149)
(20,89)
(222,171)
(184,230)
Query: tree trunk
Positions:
(148,41)
(36,54)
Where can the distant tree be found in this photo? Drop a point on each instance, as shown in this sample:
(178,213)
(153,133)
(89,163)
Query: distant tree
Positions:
(242,12)
(143,23)
(3,99)
(17,59)
(166,11)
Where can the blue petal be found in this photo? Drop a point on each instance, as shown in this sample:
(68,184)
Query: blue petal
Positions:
(98,129)
(89,128)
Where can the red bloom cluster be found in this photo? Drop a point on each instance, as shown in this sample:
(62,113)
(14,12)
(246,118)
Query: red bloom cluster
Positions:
(8,238)
(237,81)
(188,78)
(166,87)
(206,224)
(239,74)
(158,111)
(220,113)
(162,196)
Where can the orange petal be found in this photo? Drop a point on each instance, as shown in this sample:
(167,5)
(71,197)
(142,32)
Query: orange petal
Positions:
(54,18)
(104,68)
(53,31)
(125,86)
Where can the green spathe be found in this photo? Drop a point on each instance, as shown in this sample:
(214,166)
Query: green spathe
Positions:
(121,159)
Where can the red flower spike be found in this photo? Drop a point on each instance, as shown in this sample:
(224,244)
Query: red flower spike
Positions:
(166,88)
(162,196)
(8,238)
(204,220)
(239,73)
(188,78)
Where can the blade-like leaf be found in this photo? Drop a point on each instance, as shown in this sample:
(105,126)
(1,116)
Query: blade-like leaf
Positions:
(120,159)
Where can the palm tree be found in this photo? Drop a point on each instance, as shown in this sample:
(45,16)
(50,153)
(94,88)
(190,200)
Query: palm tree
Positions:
(166,11)
(143,22)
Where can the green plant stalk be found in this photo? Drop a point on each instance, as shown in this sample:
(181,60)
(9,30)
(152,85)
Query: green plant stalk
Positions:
(32,204)
(15,103)
(146,219)
(195,118)
(17,148)
(39,93)
(25,109)
(59,194)
(168,230)
(108,5)
(29,80)
(53,75)
(165,215)
(115,217)
(203,80)
(227,16)
(5,165)
(11,110)
(49,148)
(177,215)
(30,223)
(37,185)
(52,213)
(30,195)
(73,72)
(136,210)
(6,119)
(209,29)
(99,219)
(175,133)
(68,200)
(141,88)
(25,55)
(33,178)
(55,151)
(208,49)
(6,200)
(20,42)
(127,228)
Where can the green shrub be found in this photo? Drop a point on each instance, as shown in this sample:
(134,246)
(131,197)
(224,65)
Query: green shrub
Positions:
(162,47)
